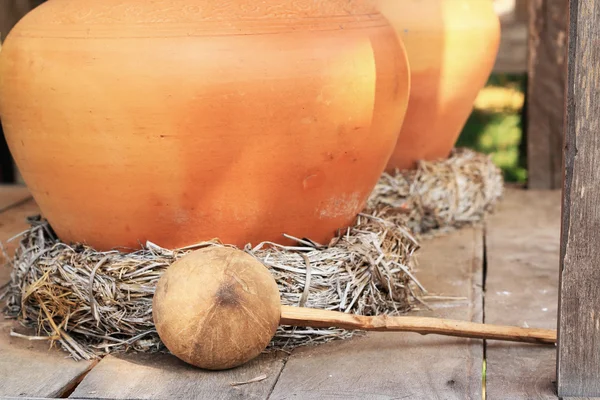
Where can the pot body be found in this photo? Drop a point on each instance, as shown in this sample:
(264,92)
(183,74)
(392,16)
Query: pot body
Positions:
(179,121)
(452,47)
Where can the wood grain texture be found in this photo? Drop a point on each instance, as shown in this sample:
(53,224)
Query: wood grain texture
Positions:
(29,398)
(580,398)
(32,369)
(546,83)
(404,365)
(522,250)
(579,320)
(27,368)
(162,376)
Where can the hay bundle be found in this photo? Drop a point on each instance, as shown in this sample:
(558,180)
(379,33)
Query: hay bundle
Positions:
(100,302)
(443,195)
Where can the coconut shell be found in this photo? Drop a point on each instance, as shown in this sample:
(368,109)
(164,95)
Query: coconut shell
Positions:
(216,308)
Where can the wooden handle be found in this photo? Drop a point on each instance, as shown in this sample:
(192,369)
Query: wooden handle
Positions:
(300,316)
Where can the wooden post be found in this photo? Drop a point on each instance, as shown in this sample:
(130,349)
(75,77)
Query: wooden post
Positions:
(578,366)
(546,65)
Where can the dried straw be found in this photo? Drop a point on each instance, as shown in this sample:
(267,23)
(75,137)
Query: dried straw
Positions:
(441,196)
(95,303)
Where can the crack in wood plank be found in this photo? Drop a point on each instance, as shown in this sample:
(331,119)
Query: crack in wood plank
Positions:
(405,365)
(143,376)
(522,249)
(71,386)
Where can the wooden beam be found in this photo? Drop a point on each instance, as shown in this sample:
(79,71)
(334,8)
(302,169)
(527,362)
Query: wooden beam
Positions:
(546,64)
(578,367)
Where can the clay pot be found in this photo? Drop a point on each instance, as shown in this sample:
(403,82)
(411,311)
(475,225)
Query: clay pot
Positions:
(452,47)
(178,121)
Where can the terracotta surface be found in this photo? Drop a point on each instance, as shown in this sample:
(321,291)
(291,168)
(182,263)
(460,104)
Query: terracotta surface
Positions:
(452,46)
(178,121)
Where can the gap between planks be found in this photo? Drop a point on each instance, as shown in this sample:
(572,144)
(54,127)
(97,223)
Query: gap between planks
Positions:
(378,365)
(405,365)
(432,264)
(522,253)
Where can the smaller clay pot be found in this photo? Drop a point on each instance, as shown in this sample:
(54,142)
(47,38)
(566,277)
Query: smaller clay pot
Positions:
(452,46)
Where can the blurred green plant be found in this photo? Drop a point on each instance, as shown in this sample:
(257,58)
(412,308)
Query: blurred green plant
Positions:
(498,130)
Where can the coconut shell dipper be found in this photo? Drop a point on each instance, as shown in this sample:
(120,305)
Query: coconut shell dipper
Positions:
(218,308)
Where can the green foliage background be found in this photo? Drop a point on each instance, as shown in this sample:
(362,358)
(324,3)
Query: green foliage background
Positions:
(499,131)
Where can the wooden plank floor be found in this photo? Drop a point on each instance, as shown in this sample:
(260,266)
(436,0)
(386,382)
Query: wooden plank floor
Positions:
(518,248)
(404,365)
(522,249)
(164,376)
(11,196)
(29,369)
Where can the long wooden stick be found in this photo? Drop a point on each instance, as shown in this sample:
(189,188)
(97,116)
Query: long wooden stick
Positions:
(300,316)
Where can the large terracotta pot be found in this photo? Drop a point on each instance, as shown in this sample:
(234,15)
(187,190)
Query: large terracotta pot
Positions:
(452,47)
(178,121)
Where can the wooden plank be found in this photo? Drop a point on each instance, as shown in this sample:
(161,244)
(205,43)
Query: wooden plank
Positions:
(522,252)
(546,65)
(580,398)
(579,308)
(159,376)
(30,398)
(11,195)
(404,365)
(30,369)
(162,376)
